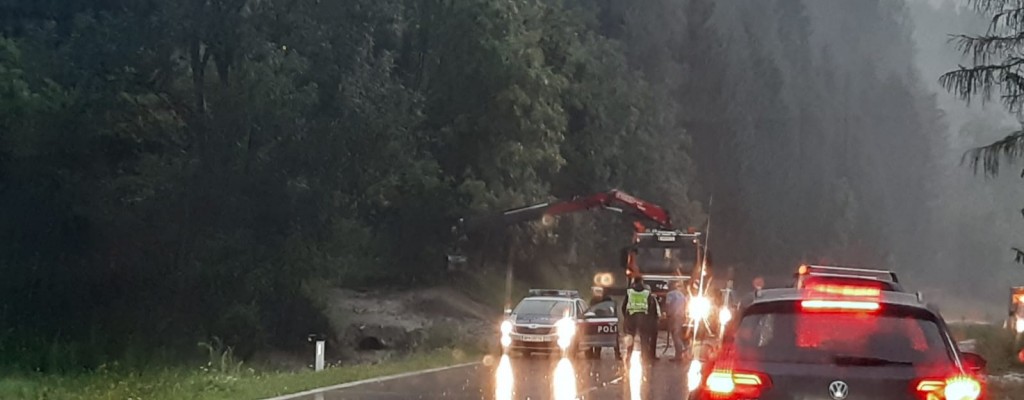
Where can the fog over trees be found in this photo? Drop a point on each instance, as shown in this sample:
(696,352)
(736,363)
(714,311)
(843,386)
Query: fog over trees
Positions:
(173,170)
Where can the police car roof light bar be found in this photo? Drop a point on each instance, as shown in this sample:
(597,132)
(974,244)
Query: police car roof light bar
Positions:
(573,294)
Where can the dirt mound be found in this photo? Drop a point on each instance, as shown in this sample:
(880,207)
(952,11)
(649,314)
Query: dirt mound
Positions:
(447,302)
(368,326)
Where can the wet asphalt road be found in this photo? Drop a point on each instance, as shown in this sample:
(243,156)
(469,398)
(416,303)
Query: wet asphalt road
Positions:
(537,378)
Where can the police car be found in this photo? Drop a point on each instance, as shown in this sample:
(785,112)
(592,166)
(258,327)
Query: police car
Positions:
(544,321)
(598,329)
(840,342)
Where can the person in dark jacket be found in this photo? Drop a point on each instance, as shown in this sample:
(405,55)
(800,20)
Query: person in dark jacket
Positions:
(650,327)
(598,296)
(757,284)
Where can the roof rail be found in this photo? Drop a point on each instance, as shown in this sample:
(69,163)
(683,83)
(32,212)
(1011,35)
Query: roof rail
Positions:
(828,270)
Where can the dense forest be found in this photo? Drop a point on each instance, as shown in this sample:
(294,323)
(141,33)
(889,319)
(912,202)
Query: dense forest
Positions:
(179,169)
(978,216)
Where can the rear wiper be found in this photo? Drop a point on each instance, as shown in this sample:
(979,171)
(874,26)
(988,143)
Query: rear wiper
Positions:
(866,361)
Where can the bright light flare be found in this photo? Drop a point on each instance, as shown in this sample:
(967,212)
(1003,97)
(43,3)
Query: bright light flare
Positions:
(564,380)
(636,376)
(604,279)
(724,315)
(506,331)
(955,388)
(1019,326)
(693,375)
(699,308)
(566,328)
(962,388)
(503,379)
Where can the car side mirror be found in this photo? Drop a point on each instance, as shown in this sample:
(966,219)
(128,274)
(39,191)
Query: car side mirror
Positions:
(973,362)
(508,312)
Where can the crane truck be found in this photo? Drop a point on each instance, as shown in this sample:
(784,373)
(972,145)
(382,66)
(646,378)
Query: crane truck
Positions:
(659,254)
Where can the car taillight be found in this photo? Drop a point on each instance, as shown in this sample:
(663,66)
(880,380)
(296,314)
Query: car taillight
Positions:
(839,305)
(955,388)
(846,290)
(726,384)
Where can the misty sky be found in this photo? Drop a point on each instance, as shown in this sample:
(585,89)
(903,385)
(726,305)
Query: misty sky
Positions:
(981,216)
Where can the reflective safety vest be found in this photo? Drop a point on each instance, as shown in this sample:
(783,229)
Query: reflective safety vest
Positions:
(636,302)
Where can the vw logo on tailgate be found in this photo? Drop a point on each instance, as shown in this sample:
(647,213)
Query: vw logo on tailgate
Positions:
(838,390)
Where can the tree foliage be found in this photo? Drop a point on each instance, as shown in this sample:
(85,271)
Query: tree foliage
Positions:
(182,169)
(996,70)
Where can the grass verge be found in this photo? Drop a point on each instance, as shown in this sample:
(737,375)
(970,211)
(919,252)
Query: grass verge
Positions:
(995,344)
(207,384)
(1006,391)
(999,348)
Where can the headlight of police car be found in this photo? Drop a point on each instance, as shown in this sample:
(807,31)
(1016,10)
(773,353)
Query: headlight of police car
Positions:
(566,329)
(506,330)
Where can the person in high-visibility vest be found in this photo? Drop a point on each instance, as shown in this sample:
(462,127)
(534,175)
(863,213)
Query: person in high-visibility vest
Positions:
(635,309)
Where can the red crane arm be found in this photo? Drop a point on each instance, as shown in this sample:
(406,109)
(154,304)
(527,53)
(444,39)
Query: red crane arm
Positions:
(614,200)
(618,201)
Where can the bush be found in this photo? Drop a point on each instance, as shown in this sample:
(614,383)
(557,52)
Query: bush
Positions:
(998,346)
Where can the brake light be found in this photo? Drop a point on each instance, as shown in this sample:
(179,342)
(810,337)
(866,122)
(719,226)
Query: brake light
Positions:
(839,305)
(847,290)
(930,386)
(726,384)
(955,388)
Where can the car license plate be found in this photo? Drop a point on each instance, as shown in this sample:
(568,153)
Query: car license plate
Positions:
(534,338)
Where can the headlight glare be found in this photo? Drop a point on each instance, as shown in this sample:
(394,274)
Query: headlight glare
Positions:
(566,329)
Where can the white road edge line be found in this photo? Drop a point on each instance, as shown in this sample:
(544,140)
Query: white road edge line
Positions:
(368,381)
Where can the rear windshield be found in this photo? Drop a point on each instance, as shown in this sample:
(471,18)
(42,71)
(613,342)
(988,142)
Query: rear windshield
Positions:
(552,308)
(782,333)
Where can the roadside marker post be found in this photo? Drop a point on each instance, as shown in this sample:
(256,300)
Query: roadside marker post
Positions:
(321,344)
(319,355)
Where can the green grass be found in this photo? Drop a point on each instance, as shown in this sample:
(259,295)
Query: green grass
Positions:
(208,382)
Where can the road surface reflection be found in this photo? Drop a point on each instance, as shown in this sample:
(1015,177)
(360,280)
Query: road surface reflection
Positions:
(504,381)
